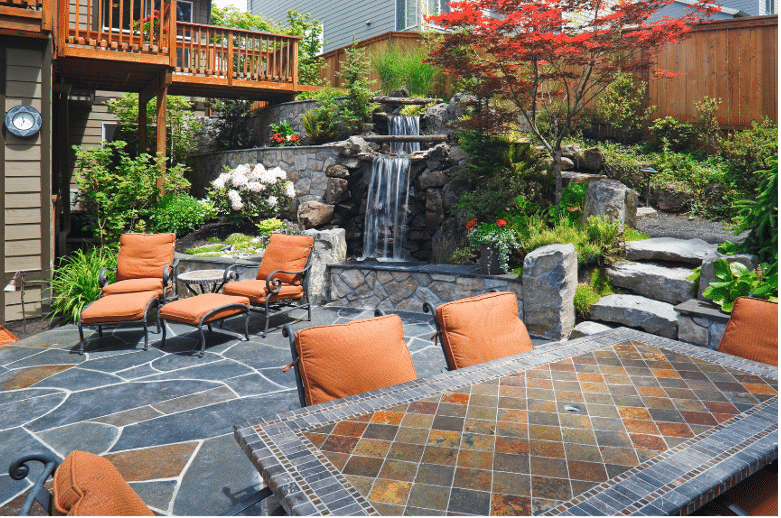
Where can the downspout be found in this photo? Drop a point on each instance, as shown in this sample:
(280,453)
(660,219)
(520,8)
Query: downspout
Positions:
(63,138)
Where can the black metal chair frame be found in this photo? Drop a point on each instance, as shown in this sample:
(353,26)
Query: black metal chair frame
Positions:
(273,286)
(207,316)
(170,286)
(144,321)
(287,332)
(18,470)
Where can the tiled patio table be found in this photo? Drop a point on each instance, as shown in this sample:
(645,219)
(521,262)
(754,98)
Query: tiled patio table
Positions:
(618,423)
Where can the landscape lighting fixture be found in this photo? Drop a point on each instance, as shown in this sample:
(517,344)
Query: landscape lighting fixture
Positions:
(648,171)
(11,286)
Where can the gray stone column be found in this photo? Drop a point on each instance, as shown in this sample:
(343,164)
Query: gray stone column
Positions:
(550,275)
(330,246)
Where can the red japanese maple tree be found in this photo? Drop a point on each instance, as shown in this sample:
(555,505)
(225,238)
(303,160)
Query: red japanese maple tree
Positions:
(549,57)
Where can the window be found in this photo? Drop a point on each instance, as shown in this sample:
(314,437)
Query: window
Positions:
(408,12)
(184,10)
(767,7)
(119,14)
(108,131)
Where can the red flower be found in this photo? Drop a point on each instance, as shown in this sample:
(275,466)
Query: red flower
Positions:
(501,222)
(472,223)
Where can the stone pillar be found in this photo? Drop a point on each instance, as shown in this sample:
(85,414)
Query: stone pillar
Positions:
(550,275)
(330,246)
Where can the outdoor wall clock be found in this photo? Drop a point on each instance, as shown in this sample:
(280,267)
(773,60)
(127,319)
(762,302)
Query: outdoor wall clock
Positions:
(23,121)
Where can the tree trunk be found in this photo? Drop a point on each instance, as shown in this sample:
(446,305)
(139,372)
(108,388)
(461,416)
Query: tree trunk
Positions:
(557,173)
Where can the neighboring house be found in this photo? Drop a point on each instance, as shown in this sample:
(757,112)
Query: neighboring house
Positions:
(59,59)
(343,20)
(729,8)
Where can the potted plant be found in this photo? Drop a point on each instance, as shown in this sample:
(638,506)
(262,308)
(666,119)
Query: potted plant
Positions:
(496,242)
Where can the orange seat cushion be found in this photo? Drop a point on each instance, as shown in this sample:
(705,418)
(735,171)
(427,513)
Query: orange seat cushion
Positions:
(144,255)
(287,253)
(134,285)
(482,328)
(758,494)
(192,309)
(118,308)
(256,291)
(88,485)
(347,359)
(752,331)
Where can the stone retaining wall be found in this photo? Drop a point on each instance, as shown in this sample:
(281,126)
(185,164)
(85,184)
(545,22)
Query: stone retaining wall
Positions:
(701,323)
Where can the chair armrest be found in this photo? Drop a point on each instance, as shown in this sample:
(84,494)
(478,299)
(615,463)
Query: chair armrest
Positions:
(428,307)
(19,470)
(274,285)
(169,272)
(379,312)
(230,274)
(287,332)
(102,279)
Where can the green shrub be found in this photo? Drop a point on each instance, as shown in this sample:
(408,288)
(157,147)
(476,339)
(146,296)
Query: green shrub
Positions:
(322,123)
(251,192)
(267,226)
(668,132)
(707,124)
(462,255)
(399,68)
(621,105)
(75,280)
(734,280)
(573,199)
(748,151)
(233,124)
(357,106)
(760,216)
(179,213)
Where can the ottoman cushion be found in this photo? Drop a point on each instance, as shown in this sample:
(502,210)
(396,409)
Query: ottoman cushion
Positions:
(192,309)
(124,307)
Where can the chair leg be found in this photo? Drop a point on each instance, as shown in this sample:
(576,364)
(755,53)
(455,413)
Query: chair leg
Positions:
(203,340)
(265,330)
(146,336)
(162,342)
(246,326)
(100,331)
(210,327)
(81,339)
(309,310)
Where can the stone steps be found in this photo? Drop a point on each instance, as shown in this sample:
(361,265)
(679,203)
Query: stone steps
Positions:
(652,316)
(652,280)
(690,251)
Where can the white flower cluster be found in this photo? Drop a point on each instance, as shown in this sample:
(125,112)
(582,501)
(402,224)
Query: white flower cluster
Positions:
(250,181)
(235,199)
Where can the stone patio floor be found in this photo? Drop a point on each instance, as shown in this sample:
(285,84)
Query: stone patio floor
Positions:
(163,417)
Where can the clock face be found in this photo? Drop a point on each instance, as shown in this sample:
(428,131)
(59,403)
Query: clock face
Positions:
(23,121)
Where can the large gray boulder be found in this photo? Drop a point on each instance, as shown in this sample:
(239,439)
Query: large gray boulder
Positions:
(353,146)
(653,281)
(588,328)
(436,119)
(550,275)
(613,199)
(329,246)
(653,316)
(690,251)
(335,190)
(312,214)
(708,273)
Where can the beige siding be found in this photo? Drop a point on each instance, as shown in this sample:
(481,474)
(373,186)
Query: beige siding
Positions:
(86,125)
(32,304)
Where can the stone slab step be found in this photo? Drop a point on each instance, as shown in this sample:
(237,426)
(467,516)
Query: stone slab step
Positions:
(588,328)
(653,281)
(645,212)
(652,316)
(691,251)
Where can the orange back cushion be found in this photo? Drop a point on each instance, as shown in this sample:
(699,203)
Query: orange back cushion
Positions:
(752,331)
(287,253)
(347,359)
(88,485)
(144,255)
(482,328)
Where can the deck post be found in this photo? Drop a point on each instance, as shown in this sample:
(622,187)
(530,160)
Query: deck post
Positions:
(141,124)
(162,98)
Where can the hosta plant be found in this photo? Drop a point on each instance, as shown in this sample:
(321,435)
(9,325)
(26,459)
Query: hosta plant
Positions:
(735,280)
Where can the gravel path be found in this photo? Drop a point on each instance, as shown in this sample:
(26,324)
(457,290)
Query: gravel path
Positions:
(680,226)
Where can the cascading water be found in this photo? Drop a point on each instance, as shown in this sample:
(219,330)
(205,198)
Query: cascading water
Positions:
(385,226)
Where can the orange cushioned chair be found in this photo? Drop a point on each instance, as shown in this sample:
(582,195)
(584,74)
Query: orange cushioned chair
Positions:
(755,496)
(145,263)
(479,329)
(282,283)
(752,331)
(342,360)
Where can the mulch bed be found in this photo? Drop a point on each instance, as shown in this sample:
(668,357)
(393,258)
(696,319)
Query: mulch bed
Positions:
(219,230)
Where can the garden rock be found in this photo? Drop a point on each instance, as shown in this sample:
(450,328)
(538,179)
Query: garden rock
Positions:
(434,210)
(435,119)
(673,197)
(451,192)
(458,104)
(612,199)
(592,159)
(653,316)
(653,281)
(440,152)
(351,163)
(708,273)
(329,246)
(312,214)
(353,146)
(550,275)
(337,171)
(690,251)
(568,177)
(588,328)
(432,179)
(335,190)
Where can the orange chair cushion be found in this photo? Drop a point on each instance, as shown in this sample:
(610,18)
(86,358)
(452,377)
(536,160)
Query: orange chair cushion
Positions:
(752,331)
(256,291)
(287,253)
(144,255)
(88,485)
(134,285)
(347,359)
(758,494)
(192,309)
(118,308)
(482,328)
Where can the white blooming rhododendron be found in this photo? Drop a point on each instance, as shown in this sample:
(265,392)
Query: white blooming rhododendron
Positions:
(252,192)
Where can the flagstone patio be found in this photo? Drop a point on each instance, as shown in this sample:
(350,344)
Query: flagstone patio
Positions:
(163,417)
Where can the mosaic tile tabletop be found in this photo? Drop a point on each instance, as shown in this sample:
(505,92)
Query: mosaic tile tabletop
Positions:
(583,434)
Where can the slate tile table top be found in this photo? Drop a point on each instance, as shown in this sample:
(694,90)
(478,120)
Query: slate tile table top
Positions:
(618,423)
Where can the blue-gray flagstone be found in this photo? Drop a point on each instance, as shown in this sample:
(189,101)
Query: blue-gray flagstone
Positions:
(22,411)
(79,379)
(94,438)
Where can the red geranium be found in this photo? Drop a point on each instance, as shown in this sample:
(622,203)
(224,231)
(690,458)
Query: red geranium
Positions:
(472,223)
(501,223)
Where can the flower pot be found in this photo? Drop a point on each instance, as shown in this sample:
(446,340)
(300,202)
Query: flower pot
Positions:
(489,260)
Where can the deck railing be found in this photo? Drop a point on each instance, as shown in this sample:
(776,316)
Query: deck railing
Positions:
(32,10)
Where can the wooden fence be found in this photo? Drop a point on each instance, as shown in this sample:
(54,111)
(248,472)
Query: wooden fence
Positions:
(735,60)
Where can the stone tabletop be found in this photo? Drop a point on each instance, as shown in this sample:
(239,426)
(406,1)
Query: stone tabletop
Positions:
(618,423)
(201,276)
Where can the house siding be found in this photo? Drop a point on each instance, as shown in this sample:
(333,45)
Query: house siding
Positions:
(342,19)
(25,172)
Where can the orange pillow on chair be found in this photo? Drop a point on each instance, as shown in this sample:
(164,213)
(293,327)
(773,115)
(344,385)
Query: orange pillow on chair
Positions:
(287,253)
(144,255)
(482,328)
(347,359)
(88,485)
(752,331)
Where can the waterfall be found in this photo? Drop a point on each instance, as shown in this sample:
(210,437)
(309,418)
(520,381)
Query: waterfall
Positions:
(385,226)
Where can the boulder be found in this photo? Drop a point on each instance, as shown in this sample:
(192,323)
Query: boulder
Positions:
(435,119)
(592,159)
(550,275)
(312,214)
(353,146)
(334,190)
(653,281)
(451,191)
(588,328)
(351,163)
(440,152)
(672,197)
(434,211)
(430,178)
(707,272)
(690,251)
(457,154)
(458,104)
(612,199)
(568,177)
(330,246)
(337,171)
(653,316)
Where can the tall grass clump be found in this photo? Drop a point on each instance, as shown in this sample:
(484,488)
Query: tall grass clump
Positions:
(75,280)
(399,68)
